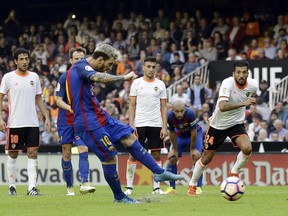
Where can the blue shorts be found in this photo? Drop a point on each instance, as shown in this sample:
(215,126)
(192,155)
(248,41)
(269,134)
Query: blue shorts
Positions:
(185,142)
(102,140)
(68,136)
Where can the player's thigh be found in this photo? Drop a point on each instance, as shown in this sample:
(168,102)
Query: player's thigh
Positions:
(100,143)
(15,139)
(214,138)
(66,134)
(32,137)
(183,143)
(117,130)
(154,142)
(142,135)
(199,140)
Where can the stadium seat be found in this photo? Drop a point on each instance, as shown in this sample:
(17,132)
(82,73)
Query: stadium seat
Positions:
(252,29)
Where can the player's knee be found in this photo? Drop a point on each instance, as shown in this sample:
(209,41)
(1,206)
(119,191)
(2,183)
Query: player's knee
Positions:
(173,160)
(156,155)
(82,149)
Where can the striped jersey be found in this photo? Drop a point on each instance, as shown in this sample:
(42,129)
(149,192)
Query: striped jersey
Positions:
(64,117)
(232,92)
(88,115)
(183,126)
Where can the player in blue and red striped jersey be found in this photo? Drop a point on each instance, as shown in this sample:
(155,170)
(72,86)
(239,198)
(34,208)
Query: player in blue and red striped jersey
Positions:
(65,126)
(183,132)
(96,128)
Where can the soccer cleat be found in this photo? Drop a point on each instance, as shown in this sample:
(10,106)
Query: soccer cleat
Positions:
(233,174)
(12,191)
(191,191)
(70,191)
(170,190)
(128,200)
(86,188)
(167,176)
(33,192)
(199,190)
(158,191)
(128,191)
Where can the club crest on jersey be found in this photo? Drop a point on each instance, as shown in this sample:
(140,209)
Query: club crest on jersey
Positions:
(155,88)
(224,90)
(88,68)
(248,94)
(13,145)
(31,83)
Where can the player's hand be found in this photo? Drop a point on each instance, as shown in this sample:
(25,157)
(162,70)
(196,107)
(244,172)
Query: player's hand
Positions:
(130,76)
(195,154)
(163,133)
(250,101)
(2,125)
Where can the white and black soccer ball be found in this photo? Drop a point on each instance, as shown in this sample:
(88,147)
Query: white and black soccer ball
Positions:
(232,188)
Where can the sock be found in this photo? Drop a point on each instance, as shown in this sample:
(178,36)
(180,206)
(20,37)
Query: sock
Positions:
(68,173)
(11,171)
(199,183)
(32,168)
(173,169)
(197,172)
(140,154)
(113,180)
(84,166)
(157,184)
(130,172)
(240,162)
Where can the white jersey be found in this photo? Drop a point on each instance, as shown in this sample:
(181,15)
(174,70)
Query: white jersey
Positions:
(21,91)
(230,91)
(148,109)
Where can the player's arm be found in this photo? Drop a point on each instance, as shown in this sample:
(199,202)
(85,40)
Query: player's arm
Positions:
(173,139)
(132,110)
(60,103)
(2,122)
(43,110)
(108,78)
(226,105)
(194,153)
(164,113)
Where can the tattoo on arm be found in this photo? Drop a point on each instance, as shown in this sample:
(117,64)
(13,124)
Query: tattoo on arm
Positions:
(105,78)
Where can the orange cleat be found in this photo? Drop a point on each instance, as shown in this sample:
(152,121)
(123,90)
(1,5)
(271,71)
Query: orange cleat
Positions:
(191,191)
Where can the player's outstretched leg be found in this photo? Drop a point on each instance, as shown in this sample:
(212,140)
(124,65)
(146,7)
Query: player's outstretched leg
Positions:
(140,154)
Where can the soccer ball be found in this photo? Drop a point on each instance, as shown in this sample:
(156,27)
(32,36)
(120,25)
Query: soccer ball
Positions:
(232,188)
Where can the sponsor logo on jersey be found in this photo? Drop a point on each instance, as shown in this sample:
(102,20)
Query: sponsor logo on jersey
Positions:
(88,68)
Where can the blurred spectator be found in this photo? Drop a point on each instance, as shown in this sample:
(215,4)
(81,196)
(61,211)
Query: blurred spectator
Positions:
(161,18)
(198,94)
(279,54)
(175,33)
(280,25)
(280,130)
(71,21)
(40,52)
(11,27)
(204,123)
(254,127)
(263,135)
(264,94)
(120,19)
(235,34)
(189,43)
(220,45)
(144,40)
(139,63)
(174,48)
(40,68)
(133,49)
(269,48)
(125,66)
(120,41)
(153,46)
(280,110)
(176,63)
(191,65)
(162,74)
(159,32)
(180,95)
(4,47)
(220,27)
(209,53)
(253,52)
(232,55)
(262,108)
(176,75)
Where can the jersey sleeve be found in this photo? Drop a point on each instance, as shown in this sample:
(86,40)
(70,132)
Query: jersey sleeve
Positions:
(61,86)
(84,70)
(163,94)
(4,85)
(224,92)
(191,116)
(133,91)
(38,85)
(170,121)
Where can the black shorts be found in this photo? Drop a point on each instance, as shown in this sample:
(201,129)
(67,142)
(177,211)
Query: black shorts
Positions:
(214,138)
(149,137)
(19,138)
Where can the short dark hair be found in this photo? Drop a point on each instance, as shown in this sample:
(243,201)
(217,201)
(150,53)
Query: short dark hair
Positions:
(150,59)
(19,51)
(76,49)
(240,63)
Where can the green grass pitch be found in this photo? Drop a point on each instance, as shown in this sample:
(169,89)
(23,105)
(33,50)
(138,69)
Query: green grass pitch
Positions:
(258,201)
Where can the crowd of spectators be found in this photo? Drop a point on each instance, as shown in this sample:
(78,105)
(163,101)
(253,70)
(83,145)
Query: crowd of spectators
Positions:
(180,41)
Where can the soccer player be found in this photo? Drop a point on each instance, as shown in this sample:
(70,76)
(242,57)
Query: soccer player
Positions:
(235,94)
(24,92)
(148,117)
(96,128)
(65,126)
(183,132)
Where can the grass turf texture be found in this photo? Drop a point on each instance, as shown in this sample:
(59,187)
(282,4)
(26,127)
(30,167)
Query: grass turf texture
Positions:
(271,200)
